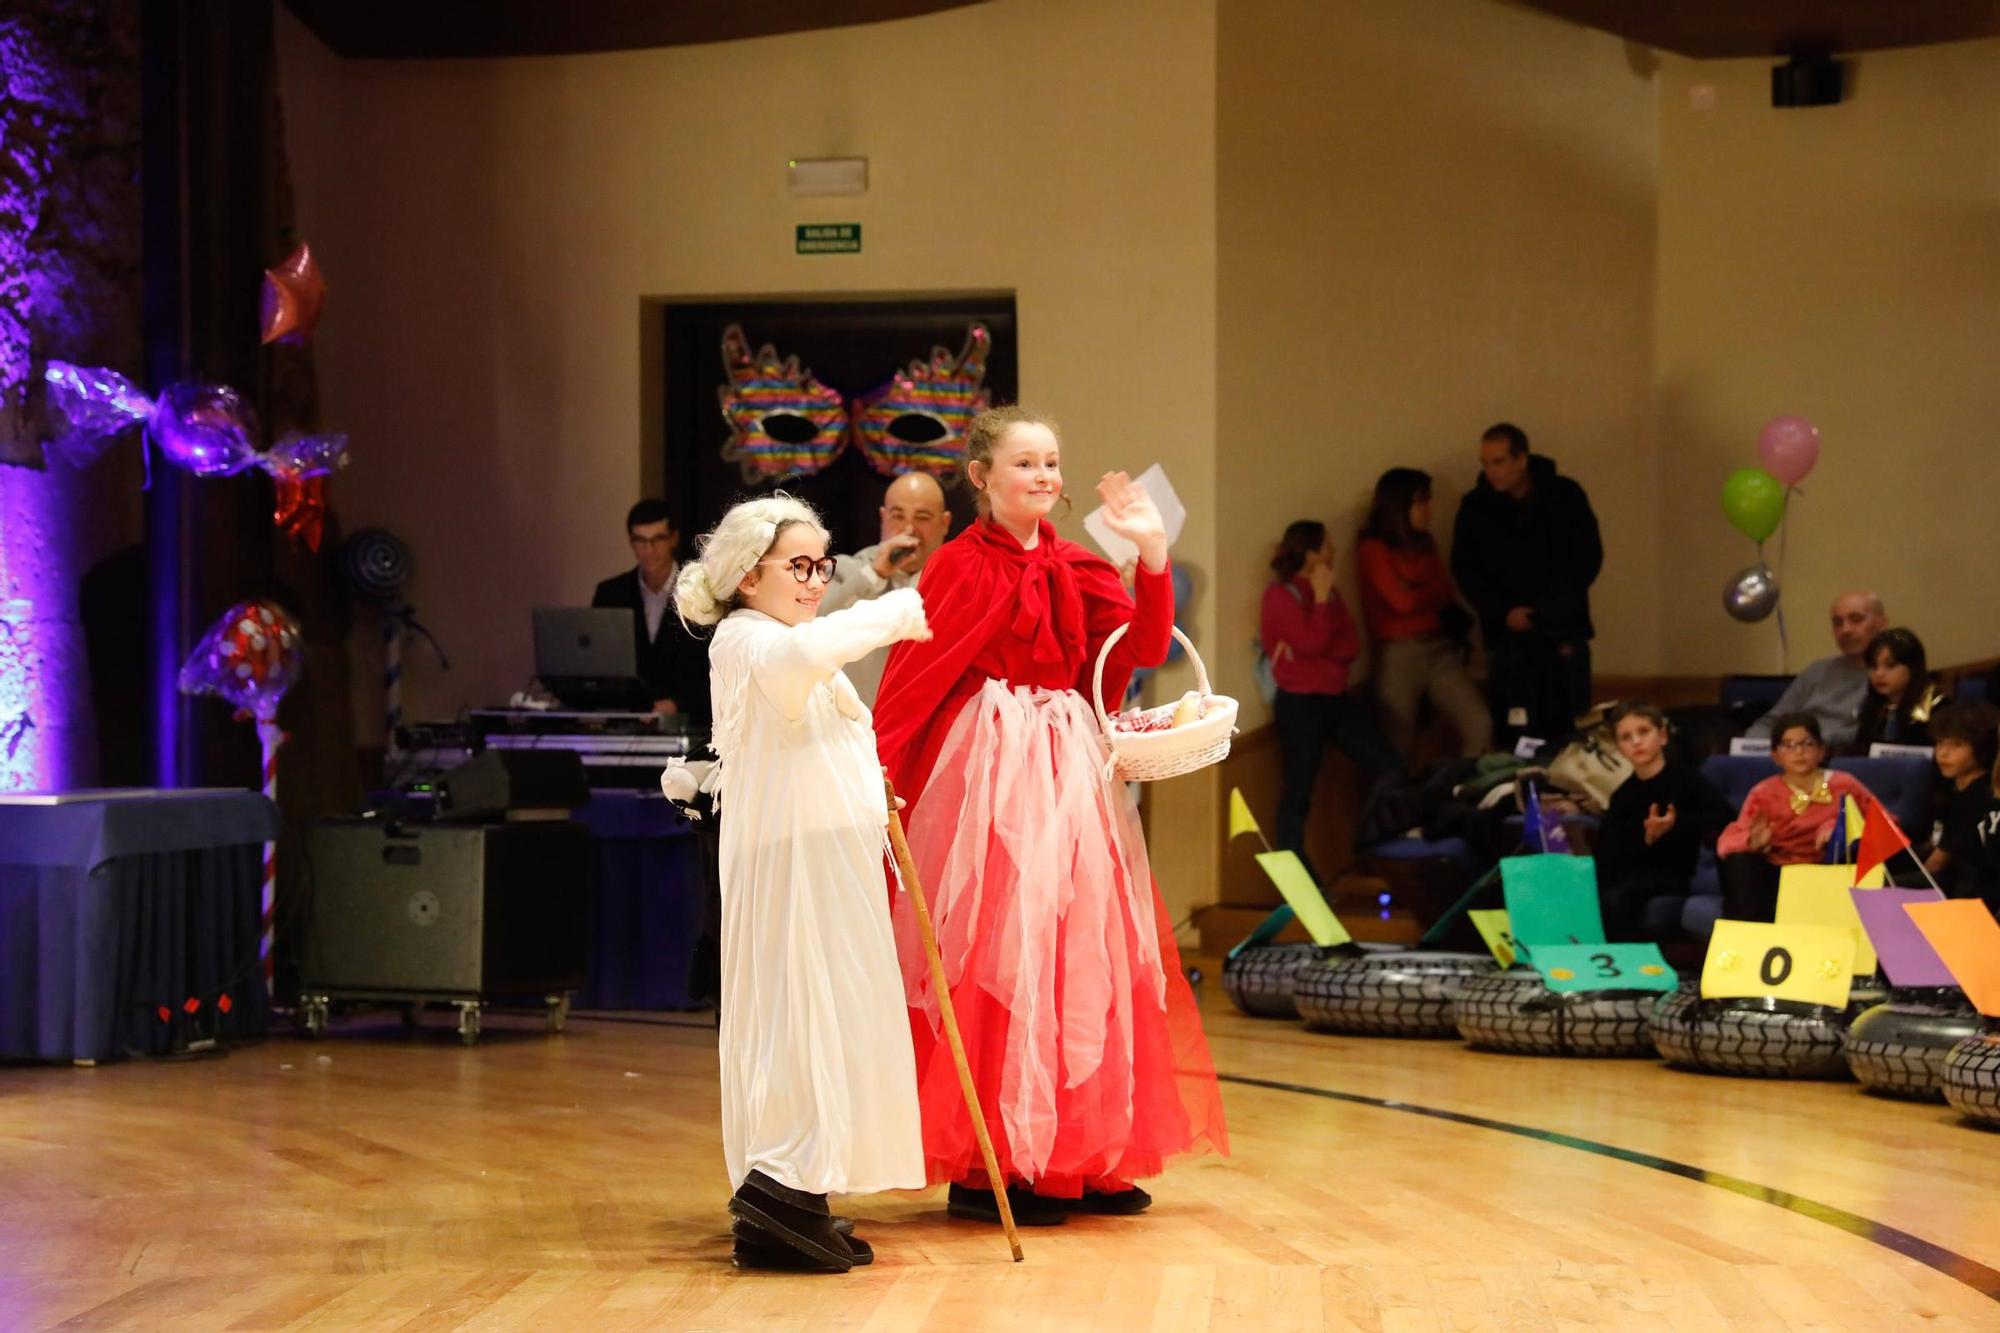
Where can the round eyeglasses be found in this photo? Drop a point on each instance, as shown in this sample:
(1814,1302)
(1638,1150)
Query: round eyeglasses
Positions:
(803,567)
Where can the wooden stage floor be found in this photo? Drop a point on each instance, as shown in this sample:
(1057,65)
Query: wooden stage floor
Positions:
(380,1181)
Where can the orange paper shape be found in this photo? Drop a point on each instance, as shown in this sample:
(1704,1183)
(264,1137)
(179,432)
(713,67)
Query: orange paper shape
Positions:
(1966,936)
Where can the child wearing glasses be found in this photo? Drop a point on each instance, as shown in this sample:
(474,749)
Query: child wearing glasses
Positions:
(818,1081)
(1080,1029)
(1786,820)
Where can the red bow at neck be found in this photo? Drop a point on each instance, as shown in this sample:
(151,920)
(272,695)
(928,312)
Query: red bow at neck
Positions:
(1049,609)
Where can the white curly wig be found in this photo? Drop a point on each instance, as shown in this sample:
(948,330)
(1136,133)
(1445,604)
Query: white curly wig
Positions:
(707,588)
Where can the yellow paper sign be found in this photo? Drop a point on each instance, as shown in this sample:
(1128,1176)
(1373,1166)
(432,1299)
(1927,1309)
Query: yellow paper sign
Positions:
(1241,821)
(1296,883)
(1499,936)
(1809,964)
(1818,896)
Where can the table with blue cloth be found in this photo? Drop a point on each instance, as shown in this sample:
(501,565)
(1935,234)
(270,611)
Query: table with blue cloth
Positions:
(647,900)
(129,923)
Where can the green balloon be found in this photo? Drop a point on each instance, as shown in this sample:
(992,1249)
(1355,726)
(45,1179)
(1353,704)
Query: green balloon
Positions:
(1754,502)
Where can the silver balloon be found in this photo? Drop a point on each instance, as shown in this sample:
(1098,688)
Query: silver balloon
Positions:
(1751,595)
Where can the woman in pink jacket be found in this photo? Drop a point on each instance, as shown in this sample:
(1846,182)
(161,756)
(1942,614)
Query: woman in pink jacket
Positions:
(1312,642)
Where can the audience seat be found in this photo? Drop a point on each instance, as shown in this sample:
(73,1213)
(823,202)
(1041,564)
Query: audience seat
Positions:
(1750,697)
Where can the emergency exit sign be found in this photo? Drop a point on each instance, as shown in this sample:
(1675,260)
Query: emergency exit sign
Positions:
(829,238)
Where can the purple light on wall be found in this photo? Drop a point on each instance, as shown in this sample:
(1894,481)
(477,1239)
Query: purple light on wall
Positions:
(68,288)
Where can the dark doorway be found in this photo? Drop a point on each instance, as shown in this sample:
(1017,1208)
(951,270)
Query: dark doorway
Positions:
(853,346)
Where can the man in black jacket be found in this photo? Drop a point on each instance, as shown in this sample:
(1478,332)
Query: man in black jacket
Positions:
(1525,552)
(672,662)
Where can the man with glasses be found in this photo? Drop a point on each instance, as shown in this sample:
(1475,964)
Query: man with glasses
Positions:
(672,662)
(915,520)
(1833,688)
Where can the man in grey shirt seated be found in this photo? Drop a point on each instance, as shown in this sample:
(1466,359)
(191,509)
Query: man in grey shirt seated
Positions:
(915,520)
(1832,689)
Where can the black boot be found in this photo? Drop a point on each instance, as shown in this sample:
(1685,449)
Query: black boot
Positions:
(1112,1203)
(792,1218)
(754,1249)
(1029,1209)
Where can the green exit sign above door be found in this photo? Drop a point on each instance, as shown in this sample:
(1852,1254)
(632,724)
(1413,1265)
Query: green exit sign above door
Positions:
(829,238)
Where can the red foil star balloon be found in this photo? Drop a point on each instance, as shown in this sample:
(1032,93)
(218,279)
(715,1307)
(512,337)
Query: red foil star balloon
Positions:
(293,293)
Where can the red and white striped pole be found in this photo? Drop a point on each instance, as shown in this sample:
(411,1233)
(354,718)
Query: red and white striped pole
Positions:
(269,738)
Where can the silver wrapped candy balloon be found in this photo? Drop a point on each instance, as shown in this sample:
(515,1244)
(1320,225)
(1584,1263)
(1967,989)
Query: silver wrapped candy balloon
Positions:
(1751,594)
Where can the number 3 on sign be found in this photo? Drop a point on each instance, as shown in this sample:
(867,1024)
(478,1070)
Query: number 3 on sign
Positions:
(1808,964)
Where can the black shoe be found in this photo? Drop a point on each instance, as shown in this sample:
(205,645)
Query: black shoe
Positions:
(1112,1203)
(792,1218)
(754,1249)
(1029,1209)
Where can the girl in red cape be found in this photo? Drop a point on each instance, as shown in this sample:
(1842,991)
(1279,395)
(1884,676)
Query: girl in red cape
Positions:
(1082,1035)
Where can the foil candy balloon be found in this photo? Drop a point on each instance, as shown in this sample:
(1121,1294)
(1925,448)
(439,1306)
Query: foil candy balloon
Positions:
(1751,594)
(782,420)
(206,428)
(917,421)
(293,293)
(89,408)
(299,466)
(249,658)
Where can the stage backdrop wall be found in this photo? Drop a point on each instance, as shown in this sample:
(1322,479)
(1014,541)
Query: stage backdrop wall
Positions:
(490,229)
(1841,262)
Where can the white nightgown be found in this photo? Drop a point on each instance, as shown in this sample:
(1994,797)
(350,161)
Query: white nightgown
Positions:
(818,1082)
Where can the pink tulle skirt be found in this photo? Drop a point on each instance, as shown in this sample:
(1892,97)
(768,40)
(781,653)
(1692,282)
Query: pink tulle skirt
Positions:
(1079,1027)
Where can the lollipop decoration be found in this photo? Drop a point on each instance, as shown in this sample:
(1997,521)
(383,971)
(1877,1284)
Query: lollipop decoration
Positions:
(782,420)
(293,293)
(249,658)
(917,421)
(377,566)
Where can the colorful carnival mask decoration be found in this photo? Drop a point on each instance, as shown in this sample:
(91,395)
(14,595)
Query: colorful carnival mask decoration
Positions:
(783,422)
(917,421)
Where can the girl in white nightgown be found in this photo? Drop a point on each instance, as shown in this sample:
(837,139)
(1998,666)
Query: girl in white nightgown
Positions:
(818,1081)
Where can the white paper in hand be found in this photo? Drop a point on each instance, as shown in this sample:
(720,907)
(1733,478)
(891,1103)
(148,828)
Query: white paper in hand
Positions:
(1121,552)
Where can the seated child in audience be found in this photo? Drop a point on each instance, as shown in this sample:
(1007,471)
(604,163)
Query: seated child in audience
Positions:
(1786,820)
(1901,696)
(1965,845)
(1655,826)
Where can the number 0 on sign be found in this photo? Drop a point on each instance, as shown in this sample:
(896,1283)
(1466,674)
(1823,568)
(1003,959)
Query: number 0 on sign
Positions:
(1804,963)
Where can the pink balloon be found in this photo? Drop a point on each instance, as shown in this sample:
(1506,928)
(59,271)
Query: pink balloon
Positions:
(1788,448)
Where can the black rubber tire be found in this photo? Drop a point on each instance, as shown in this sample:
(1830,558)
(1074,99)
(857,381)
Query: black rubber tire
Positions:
(1258,980)
(1750,1037)
(1517,1013)
(1972,1077)
(1898,1049)
(1386,994)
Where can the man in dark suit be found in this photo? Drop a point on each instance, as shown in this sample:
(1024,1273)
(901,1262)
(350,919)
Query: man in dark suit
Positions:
(672,662)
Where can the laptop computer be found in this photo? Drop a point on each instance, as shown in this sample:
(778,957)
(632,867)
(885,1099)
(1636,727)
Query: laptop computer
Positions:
(589,658)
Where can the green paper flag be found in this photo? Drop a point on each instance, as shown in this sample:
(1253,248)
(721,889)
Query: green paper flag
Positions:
(1552,900)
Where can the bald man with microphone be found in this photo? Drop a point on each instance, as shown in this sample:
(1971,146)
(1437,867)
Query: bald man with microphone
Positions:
(915,521)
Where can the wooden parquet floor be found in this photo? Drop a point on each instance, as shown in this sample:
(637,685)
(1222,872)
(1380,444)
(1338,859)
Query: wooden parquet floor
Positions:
(379,1181)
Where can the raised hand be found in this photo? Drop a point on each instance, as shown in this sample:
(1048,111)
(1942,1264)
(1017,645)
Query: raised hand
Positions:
(1131,513)
(1760,833)
(1319,576)
(1658,824)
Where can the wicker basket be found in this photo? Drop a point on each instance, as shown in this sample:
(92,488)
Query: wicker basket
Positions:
(1148,756)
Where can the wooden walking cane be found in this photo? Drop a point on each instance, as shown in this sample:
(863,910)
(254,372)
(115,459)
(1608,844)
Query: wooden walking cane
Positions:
(907,869)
